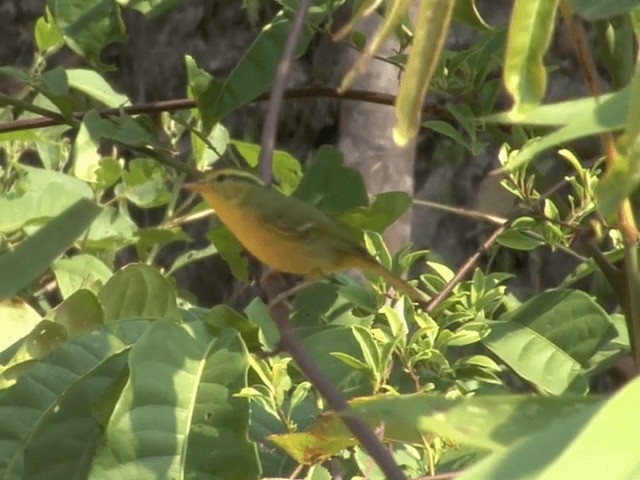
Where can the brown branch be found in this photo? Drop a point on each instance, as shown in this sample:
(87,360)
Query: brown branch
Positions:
(467,267)
(185,104)
(268,137)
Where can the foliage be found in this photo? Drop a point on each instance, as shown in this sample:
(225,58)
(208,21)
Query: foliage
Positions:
(109,370)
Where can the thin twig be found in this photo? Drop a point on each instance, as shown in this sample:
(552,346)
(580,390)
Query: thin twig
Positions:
(268,138)
(467,267)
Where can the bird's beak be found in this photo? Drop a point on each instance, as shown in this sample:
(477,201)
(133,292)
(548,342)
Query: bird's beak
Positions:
(194,186)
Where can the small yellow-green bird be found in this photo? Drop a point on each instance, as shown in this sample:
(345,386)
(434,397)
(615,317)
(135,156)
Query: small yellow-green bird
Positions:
(288,234)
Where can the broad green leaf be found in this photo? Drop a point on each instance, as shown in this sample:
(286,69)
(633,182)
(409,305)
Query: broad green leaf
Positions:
(45,337)
(596,9)
(530,31)
(79,313)
(320,346)
(517,240)
(566,448)
(231,251)
(46,34)
(71,373)
(255,71)
(205,90)
(46,195)
(181,387)
(17,319)
(54,85)
(123,129)
(81,271)
(222,316)
(151,8)
(192,256)
(430,35)
(549,339)
(323,304)
(331,185)
(144,183)
(491,422)
(92,84)
(287,171)
(385,210)
(258,314)
(88,26)
(148,238)
(138,291)
(112,229)
(23,265)
(204,156)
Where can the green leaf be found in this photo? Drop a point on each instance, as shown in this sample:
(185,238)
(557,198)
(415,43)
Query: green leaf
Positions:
(88,26)
(514,238)
(46,195)
(204,157)
(322,344)
(595,9)
(151,8)
(530,31)
(258,314)
(37,403)
(23,265)
(205,90)
(566,448)
(79,313)
(199,427)
(222,316)
(138,291)
(330,185)
(384,211)
(231,250)
(92,84)
(144,183)
(18,318)
(549,339)
(110,230)
(45,337)
(255,71)
(82,271)
(46,34)
(287,171)
(54,85)
(123,129)
(491,422)
(192,256)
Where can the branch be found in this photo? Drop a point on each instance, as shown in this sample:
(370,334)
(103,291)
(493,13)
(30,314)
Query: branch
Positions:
(48,119)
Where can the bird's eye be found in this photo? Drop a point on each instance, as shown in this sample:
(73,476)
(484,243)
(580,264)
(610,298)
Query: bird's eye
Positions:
(222,177)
